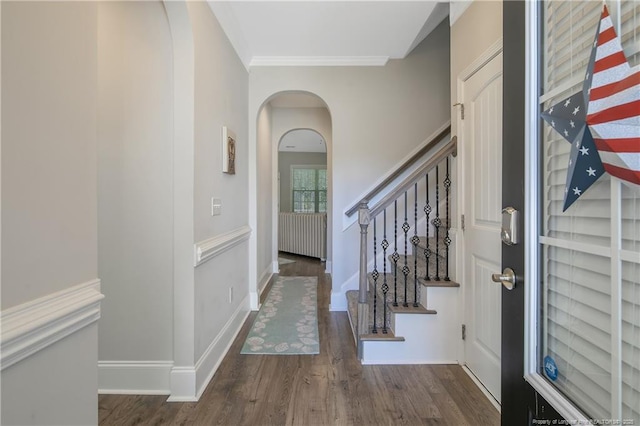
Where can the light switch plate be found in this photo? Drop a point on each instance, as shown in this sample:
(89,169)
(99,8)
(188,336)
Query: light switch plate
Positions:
(216,206)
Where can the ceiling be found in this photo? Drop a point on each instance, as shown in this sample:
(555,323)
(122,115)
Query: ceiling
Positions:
(268,33)
(302,140)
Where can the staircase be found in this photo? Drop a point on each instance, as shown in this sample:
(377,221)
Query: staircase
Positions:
(406,308)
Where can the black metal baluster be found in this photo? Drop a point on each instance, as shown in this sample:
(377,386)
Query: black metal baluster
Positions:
(405,268)
(415,240)
(447,239)
(375,274)
(385,286)
(395,256)
(436,224)
(427,211)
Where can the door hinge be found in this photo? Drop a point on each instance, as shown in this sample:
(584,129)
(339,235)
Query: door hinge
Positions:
(461,109)
(464,332)
(462,221)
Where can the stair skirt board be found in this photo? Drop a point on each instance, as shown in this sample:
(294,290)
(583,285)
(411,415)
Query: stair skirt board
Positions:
(428,339)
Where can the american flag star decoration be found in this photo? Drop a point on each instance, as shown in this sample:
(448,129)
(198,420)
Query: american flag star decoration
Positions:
(602,121)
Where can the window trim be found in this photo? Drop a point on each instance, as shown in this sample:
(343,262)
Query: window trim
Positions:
(317,191)
(533,255)
(534,241)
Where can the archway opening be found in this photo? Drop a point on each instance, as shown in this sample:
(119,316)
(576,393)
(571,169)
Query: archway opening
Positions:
(296,125)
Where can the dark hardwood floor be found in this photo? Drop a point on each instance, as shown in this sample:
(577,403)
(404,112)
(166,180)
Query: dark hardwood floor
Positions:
(331,388)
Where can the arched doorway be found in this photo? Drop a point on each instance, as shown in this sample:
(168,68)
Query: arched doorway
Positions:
(302,193)
(282,114)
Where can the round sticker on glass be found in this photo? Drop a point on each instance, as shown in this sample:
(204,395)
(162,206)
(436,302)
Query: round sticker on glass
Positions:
(550,368)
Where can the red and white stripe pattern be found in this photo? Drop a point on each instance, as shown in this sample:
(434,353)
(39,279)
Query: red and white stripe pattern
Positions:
(613,113)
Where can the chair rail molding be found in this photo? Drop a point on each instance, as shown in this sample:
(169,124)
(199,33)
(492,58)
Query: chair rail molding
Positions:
(34,325)
(208,249)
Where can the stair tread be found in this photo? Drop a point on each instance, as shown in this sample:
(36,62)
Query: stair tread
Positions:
(439,283)
(400,287)
(400,309)
(432,244)
(422,269)
(382,337)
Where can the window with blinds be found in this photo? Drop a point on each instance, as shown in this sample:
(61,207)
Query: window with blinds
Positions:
(591,267)
(309,189)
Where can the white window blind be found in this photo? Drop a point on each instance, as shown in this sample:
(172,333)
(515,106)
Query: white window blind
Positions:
(591,271)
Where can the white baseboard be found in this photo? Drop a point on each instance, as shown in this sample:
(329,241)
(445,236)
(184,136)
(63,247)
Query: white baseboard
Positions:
(34,325)
(183,384)
(338,298)
(134,377)
(209,362)
(188,383)
(416,361)
(484,390)
(275,267)
(264,280)
(338,302)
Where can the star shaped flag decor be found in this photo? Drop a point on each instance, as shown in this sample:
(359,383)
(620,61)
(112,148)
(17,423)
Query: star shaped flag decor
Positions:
(602,121)
(569,119)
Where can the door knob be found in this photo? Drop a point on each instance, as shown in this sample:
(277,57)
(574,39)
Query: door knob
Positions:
(507,278)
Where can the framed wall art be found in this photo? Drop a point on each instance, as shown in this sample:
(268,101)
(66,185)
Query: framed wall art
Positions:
(228,151)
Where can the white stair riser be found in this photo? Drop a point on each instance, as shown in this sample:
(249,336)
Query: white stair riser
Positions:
(429,339)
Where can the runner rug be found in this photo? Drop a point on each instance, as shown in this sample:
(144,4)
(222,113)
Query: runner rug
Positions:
(287,322)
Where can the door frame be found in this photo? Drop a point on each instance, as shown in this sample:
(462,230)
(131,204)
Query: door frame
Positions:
(483,59)
(515,401)
(546,395)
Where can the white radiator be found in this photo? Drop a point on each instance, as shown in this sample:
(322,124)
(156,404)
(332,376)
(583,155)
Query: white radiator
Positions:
(303,233)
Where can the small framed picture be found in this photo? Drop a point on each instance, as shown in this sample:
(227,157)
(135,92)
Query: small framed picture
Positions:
(228,151)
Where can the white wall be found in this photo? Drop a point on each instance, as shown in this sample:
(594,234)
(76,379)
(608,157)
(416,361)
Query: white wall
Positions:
(378,116)
(267,261)
(49,203)
(221,96)
(135,196)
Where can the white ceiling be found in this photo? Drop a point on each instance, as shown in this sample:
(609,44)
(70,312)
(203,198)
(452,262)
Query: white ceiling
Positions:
(302,140)
(321,32)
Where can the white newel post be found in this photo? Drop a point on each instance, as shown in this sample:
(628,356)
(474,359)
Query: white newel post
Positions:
(363,308)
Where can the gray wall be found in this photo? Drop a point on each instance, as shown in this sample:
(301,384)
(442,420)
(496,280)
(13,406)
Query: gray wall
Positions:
(49,199)
(221,96)
(378,116)
(48,148)
(285,161)
(135,194)
(472,34)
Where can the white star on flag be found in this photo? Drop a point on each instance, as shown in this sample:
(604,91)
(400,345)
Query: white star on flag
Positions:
(591,171)
(584,150)
(576,191)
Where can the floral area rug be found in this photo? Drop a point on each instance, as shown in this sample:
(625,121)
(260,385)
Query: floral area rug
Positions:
(287,323)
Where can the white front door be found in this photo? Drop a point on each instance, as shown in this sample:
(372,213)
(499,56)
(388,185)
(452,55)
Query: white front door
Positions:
(482,147)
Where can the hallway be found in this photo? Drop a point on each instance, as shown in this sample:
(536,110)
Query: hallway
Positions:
(331,388)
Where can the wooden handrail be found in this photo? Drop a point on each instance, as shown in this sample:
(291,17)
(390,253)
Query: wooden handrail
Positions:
(401,169)
(451,148)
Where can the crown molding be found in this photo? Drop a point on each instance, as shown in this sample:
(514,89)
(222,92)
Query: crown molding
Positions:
(318,61)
